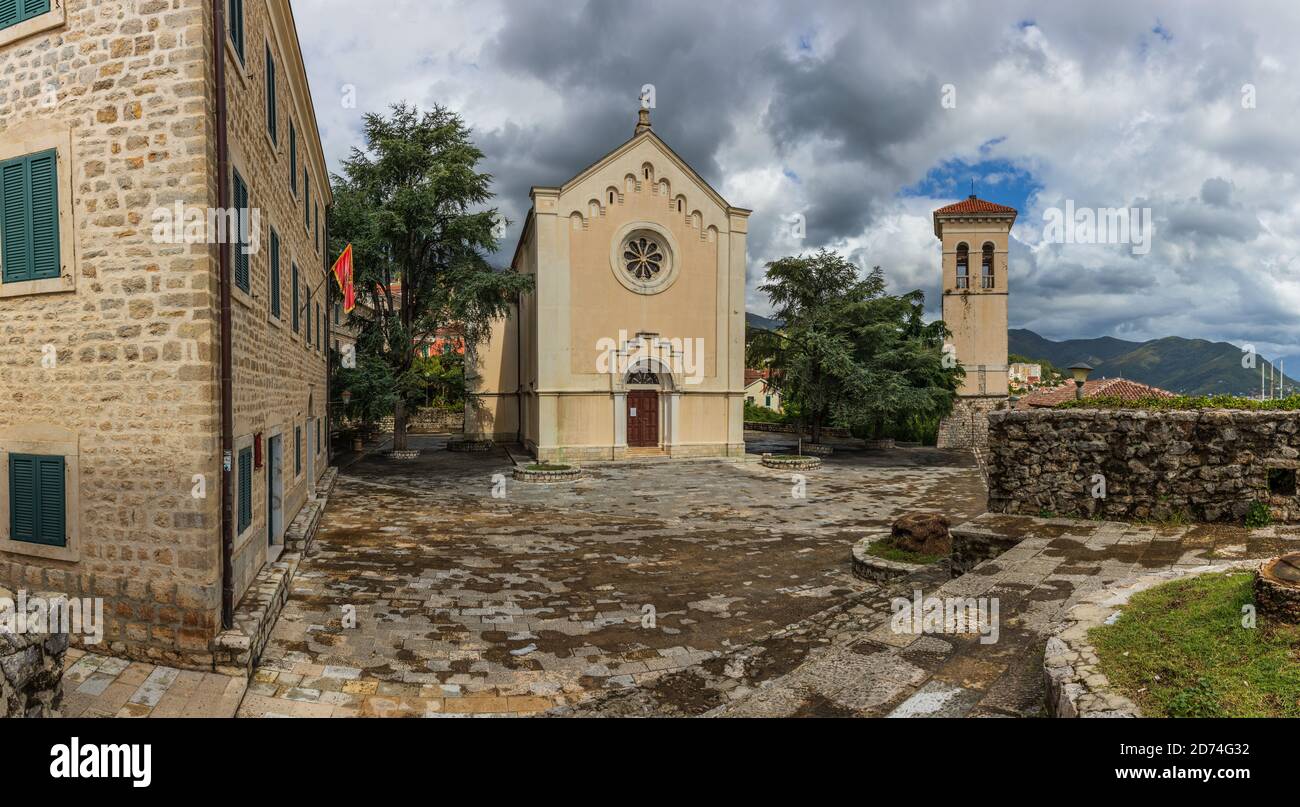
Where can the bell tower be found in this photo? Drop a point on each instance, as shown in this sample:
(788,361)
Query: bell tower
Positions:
(975,234)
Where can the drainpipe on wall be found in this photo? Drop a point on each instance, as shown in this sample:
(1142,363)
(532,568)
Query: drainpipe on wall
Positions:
(227,363)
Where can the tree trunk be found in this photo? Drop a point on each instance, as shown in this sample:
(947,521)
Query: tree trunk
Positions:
(817,431)
(399,426)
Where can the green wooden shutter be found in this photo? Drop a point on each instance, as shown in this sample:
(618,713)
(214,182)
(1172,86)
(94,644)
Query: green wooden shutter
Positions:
(245,489)
(236,10)
(307,311)
(51,522)
(15,229)
(297,450)
(293,158)
(35,8)
(8,13)
(43,172)
(275,274)
(270,97)
(240,201)
(306,201)
(295,298)
(22,498)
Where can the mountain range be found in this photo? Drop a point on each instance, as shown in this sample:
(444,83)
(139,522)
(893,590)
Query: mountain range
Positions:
(1185,366)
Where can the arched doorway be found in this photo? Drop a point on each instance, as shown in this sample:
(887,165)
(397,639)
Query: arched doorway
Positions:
(643,420)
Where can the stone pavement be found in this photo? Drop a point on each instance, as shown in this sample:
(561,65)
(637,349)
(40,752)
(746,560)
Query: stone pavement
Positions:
(426,595)
(101,686)
(854,664)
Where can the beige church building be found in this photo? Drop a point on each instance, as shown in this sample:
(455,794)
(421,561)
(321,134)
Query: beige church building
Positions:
(633,340)
(975,234)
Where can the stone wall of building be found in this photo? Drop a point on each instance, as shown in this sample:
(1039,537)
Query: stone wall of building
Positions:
(1208,465)
(968,425)
(280,374)
(115,365)
(113,369)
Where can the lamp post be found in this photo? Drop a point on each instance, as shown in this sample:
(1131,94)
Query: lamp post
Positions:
(1080,372)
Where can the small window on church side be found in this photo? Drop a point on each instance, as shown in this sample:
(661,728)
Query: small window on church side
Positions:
(679,205)
(986,269)
(963,266)
(611,197)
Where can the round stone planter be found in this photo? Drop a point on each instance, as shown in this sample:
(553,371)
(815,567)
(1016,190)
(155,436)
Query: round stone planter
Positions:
(469,446)
(886,444)
(818,449)
(878,570)
(567,473)
(357,445)
(791,463)
(1277,589)
(402,456)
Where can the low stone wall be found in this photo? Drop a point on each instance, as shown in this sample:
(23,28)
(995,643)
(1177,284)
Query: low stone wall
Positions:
(1209,466)
(31,670)
(788,428)
(429,421)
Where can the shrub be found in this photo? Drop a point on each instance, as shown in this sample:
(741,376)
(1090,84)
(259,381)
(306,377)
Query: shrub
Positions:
(1187,403)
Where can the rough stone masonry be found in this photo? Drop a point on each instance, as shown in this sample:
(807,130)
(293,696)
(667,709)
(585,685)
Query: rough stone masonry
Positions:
(1208,465)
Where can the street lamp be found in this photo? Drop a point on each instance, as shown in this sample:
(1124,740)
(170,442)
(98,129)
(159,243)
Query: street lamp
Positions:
(346,396)
(1080,372)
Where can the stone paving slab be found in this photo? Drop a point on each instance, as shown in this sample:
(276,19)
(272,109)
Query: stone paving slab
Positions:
(1055,565)
(102,686)
(425,595)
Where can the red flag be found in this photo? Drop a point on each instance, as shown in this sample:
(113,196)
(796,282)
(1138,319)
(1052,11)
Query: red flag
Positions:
(343,274)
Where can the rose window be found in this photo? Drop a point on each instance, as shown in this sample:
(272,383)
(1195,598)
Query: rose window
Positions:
(643,257)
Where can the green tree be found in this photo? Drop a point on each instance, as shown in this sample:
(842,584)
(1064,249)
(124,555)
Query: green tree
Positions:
(412,204)
(849,353)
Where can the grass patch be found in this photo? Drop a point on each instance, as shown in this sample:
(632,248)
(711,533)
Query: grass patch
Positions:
(549,468)
(887,551)
(1180,650)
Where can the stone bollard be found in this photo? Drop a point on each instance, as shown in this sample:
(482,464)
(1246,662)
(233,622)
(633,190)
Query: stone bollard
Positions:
(31,663)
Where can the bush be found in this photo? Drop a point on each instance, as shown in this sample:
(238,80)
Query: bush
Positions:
(761,414)
(1259,516)
(1187,403)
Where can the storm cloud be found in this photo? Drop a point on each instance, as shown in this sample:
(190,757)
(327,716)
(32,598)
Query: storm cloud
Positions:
(837,113)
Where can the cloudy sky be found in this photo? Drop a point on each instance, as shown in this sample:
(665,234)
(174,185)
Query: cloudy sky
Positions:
(863,118)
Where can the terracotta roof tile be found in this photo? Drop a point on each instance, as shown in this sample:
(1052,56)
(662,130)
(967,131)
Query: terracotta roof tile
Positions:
(973,205)
(1121,388)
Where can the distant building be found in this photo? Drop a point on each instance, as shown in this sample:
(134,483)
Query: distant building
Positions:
(1121,388)
(760,392)
(1026,374)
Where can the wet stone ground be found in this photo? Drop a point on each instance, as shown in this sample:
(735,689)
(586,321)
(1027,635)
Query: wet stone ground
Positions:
(854,661)
(424,594)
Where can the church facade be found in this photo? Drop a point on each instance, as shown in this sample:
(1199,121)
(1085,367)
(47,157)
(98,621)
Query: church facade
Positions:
(632,342)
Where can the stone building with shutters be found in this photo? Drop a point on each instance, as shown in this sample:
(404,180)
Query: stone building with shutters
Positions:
(129,132)
(633,340)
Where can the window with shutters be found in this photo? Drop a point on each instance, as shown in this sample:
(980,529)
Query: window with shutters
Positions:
(295,298)
(297,451)
(29,218)
(293,159)
(240,241)
(37,500)
(307,311)
(271,121)
(235,10)
(306,206)
(245,482)
(13,12)
(275,274)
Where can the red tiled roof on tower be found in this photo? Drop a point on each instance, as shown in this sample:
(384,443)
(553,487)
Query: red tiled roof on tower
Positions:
(972,204)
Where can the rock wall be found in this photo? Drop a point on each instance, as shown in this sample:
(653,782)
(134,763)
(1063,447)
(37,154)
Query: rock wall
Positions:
(968,425)
(429,421)
(1208,465)
(31,669)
